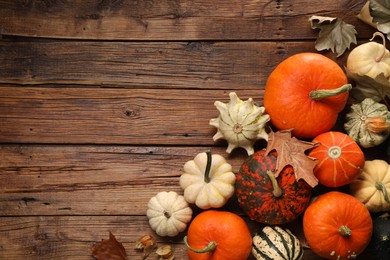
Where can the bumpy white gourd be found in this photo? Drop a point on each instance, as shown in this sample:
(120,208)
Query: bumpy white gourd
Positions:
(240,123)
(370,59)
(168,213)
(368,123)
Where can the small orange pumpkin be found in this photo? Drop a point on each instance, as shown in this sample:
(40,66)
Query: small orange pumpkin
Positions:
(218,235)
(305,92)
(337,226)
(340,159)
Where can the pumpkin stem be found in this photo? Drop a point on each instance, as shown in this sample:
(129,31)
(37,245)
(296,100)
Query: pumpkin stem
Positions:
(208,167)
(382,54)
(345,231)
(324,93)
(381,187)
(277,192)
(209,248)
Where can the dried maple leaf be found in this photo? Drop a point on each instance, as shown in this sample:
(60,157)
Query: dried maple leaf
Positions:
(335,34)
(291,151)
(366,87)
(109,249)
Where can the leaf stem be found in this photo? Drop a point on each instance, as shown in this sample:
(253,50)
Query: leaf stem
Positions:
(209,248)
(324,93)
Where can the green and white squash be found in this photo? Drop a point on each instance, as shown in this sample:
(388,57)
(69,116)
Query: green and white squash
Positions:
(275,243)
(368,123)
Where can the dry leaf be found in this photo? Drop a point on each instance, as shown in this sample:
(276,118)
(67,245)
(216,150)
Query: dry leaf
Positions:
(291,151)
(109,249)
(378,10)
(335,34)
(366,87)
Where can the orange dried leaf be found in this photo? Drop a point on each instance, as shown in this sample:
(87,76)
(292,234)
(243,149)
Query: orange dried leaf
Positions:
(291,151)
(109,249)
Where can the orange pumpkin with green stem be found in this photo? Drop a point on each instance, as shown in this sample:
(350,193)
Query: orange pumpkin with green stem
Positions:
(306,92)
(337,226)
(218,235)
(340,159)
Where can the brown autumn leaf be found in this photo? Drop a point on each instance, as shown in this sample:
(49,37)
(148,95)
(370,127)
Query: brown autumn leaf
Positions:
(291,151)
(109,249)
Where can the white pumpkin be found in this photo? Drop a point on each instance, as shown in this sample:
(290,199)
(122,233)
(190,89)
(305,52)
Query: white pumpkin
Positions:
(370,59)
(168,213)
(207,181)
(276,243)
(372,186)
(240,123)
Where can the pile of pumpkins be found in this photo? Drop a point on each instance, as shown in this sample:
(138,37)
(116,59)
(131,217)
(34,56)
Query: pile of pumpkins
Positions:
(303,97)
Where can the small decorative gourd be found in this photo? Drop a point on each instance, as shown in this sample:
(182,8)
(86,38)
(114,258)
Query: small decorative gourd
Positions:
(370,59)
(368,123)
(273,242)
(372,186)
(240,123)
(168,213)
(207,181)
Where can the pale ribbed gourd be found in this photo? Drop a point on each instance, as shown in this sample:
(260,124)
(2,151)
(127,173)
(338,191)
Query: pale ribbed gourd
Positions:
(370,59)
(240,123)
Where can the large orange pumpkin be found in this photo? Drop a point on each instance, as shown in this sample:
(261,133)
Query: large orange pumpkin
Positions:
(340,159)
(305,92)
(218,235)
(337,226)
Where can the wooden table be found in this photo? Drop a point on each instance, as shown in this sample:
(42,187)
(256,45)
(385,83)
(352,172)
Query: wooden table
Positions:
(102,103)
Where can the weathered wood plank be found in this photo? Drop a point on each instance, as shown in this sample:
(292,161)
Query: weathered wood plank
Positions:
(110,116)
(95,180)
(185,65)
(71,237)
(172,19)
(91,180)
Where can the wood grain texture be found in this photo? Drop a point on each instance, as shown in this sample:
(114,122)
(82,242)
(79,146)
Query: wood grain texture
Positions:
(92,180)
(184,65)
(71,237)
(103,101)
(171,19)
(110,116)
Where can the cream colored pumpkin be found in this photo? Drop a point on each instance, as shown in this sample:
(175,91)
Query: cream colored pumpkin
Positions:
(207,181)
(368,123)
(370,59)
(240,123)
(372,186)
(168,213)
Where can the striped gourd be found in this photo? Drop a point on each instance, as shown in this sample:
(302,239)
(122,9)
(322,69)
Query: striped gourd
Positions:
(274,243)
